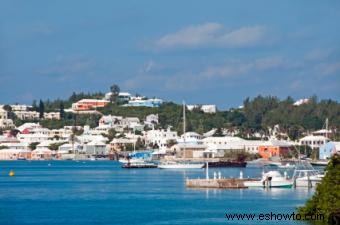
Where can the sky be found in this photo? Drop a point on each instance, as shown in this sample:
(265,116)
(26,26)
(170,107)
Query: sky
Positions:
(204,52)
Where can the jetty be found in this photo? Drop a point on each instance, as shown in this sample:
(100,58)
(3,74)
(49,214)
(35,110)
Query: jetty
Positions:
(218,181)
(231,183)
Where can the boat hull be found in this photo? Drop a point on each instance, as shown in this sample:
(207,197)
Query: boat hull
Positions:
(227,164)
(181,166)
(261,184)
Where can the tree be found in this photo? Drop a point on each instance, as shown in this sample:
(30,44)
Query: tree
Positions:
(41,109)
(325,200)
(33,145)
(34,105)
(218,132)
(8,108)
(10,113)
(62,111)
(114,93)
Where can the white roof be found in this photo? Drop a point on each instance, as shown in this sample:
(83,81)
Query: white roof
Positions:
(312,138)
(42,151)
(14,150)
(122,141)
(323,131)
(92,100)
(96,142)
(225,138)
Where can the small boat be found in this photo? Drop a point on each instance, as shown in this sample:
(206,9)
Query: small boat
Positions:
(227,164)
(271,179)
(180,165)
(287,166)
(139,165)
(305,175)
(319,163)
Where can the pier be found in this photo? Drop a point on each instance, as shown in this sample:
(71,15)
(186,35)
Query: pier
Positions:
(232,183)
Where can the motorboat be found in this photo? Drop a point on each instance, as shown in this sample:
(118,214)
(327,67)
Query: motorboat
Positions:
(271,179)
(139,165)
(287,166)
(305,175)
(319,163)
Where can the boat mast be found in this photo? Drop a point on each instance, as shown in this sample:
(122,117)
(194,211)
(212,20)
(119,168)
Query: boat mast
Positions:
(326,127)
(184,127)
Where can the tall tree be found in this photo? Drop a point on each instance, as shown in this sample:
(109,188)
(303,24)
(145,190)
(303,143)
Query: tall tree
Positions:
(62,111)
(114,93)
(41,109)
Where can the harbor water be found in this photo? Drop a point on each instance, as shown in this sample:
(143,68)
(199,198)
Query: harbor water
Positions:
(101,192)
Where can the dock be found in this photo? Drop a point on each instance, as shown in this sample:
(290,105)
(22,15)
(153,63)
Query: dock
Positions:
(232,183)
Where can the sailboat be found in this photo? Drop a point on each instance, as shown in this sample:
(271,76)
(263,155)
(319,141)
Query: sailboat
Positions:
(181,165)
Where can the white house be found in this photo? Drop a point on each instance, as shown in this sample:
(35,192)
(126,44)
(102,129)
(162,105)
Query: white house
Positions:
(96,147)
(20,107)
(232,143)
(204,108)
(160,137)
(27,115)
(313,141)
(52,116)
(4,121)
(151,120)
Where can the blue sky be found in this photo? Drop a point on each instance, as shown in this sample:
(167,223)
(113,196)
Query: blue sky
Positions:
(208,52)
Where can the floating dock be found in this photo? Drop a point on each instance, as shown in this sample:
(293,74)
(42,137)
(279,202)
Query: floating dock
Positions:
(232,183)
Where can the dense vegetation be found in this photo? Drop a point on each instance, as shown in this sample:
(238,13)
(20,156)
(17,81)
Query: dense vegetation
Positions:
(326,199)
(257,115)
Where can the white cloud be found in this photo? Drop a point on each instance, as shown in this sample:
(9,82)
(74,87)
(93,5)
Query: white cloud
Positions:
(318,54)
(212,34)
(328,68)
(64,68)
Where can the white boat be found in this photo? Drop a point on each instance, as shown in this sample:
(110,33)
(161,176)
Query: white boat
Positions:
(319,163)
(305,175)
(180,165)
(287,166)
(132,160)
(272,179)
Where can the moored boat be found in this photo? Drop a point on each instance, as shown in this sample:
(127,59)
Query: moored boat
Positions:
(180,165)
(271,179)
(139,165)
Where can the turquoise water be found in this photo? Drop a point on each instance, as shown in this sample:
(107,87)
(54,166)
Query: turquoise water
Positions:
(100,192)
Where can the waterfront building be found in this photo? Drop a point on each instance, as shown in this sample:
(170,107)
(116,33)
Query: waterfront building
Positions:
(95,148)
(119,144)
(227,143)
(188,150)
(313,141)
(16,145)
(41,154)
(160,137)
(327,150)
(275,148)
(14,154)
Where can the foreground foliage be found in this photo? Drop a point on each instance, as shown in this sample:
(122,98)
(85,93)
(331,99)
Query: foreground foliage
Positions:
(326,199)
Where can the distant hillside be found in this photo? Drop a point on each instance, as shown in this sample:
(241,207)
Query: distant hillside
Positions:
(256,115)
